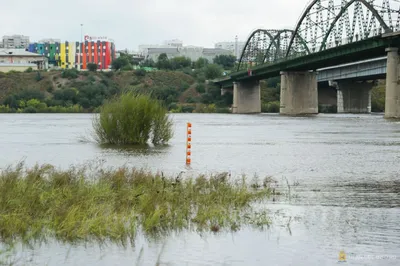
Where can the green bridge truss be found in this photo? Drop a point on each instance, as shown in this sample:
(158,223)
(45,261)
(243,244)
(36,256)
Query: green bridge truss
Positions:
(323,25)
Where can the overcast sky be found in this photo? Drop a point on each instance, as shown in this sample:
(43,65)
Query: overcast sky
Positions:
(134,22)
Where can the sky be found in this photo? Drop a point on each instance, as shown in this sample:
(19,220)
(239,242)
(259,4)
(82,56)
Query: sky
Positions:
(133,22)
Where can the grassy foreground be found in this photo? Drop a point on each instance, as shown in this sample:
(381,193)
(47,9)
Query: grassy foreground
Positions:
(78,205)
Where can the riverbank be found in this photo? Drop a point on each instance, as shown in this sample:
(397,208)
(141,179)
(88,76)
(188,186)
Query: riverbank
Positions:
(181,91)
(71,91)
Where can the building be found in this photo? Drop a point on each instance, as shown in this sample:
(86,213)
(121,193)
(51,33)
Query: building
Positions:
(50,40)
(15,42)
(235,47)
(175,48)
(97,50)
(174,43)
(20,60)
(192,52)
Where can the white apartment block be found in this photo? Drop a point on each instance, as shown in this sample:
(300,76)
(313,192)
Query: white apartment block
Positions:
(144,48)
(235,47)
(191,52)
(175,48)
(15,42)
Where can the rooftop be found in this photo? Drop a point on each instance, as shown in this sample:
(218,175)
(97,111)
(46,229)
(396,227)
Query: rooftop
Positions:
(17,52)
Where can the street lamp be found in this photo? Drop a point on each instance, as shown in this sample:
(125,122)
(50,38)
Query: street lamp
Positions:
(81,32)
(80,50)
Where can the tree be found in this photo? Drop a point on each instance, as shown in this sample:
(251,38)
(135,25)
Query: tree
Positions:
(213,71)
(180,62)
(227,61)
(201,62)
(148,63)
(378,99)
(119,63)
(38,76)
(129,57)
(163,62)
(92,67)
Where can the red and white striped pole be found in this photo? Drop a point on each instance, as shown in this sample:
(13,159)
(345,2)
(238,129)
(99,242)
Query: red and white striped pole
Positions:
(188,143)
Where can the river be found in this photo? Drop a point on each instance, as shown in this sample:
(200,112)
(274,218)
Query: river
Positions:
(343,173)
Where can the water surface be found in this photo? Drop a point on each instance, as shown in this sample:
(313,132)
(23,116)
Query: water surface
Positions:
(342,170)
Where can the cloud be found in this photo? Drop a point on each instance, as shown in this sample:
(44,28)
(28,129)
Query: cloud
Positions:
(134,22)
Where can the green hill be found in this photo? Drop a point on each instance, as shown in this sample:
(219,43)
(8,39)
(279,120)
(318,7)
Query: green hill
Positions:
(73,91)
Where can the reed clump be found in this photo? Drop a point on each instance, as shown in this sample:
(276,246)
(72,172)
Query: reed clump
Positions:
(132,119)
(76,205)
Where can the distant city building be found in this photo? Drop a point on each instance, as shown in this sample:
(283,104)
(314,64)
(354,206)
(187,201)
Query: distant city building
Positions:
(175,48)
(50,41)
(174,43)
(235,47)
(15,42)
(194,53)
(135,55)
(97,50)
(20,60)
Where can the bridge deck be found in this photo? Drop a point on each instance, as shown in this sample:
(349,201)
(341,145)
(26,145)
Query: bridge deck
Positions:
(349,53)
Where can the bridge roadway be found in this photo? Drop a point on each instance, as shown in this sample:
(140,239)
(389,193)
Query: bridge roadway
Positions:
(370,69)
(349,86)
(299,79)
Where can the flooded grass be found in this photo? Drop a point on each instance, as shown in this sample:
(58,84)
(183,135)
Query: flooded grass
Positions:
(77,205)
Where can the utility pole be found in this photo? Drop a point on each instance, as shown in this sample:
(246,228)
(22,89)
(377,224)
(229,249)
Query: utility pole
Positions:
(236,48)
(80,50)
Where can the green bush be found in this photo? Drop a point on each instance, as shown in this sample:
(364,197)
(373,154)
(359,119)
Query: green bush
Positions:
(213,71)
(70,73)
(132,119)
(30,109)
(223,110)
(38,76)
(173,106)
(270,107)
(92,67)
(140,72)
(201,88)
(109,74)
(328,109)
(28,70)
(188,109)
(5,109)
(127,67)
(378,99)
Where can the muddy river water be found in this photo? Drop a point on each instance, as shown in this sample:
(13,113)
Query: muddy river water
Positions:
(343,172)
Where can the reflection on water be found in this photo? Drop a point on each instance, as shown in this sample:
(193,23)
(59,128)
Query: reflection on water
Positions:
(129,150)
(342,172)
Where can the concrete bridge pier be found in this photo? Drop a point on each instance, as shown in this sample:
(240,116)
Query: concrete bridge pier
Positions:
(299,93)
(392,101)
(246,97)
(353,97)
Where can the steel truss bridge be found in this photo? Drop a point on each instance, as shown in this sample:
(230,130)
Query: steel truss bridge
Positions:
(323,25)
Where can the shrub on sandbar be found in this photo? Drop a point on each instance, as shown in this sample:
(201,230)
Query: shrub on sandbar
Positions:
(132,119)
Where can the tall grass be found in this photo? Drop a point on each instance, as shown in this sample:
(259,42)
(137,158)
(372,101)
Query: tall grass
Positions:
(132,119)
(76,204)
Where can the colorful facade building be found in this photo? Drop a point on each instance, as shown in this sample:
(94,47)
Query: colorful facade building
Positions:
(98,50)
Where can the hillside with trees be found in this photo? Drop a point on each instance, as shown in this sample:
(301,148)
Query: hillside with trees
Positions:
(178,82)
